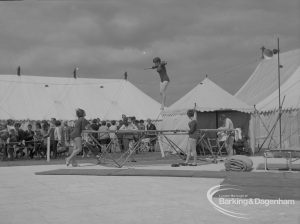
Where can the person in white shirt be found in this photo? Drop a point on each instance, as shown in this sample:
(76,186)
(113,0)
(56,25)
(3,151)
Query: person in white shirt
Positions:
(113,136)
(58,133)
(228,125)
(59,138)
(104,138)
(128,138)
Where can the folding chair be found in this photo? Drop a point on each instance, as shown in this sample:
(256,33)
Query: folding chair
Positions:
(20,150)
(216,146)
(92,147)
(205,145)
(39,148)
(145,145)
(103,151)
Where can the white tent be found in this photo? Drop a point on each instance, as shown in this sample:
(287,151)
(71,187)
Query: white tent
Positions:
(208,96)
(208,99)
(261,89)
(290,94)
(264,80)
(37,97)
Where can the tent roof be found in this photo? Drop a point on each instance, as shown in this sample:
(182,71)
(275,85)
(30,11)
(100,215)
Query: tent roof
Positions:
(39,97)
(208,96)
(289,91)
(264,81)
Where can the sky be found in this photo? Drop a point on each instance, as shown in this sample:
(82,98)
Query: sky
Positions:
(105,38)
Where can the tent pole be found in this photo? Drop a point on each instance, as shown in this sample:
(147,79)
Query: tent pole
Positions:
(48,149)
(217,120)
(279,94)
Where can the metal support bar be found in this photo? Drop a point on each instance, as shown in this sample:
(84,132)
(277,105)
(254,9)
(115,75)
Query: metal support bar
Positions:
(97,142)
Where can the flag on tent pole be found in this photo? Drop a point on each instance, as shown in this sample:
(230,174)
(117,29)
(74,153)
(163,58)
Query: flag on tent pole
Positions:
(19,71)
(75,73)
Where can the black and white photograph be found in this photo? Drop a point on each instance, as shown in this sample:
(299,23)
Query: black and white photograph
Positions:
(149,111)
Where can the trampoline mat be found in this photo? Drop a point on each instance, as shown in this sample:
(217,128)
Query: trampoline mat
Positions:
(265,185)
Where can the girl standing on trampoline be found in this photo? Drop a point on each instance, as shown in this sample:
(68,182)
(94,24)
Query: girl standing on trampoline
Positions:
(160,67)
(75,135)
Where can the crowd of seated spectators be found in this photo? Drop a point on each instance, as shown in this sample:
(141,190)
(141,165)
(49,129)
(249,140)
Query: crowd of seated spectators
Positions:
(28,139)
(111,141)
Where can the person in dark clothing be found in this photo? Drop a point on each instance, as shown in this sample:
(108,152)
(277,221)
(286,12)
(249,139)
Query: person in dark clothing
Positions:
(160,67)
(120,136)
(29,138)
(53,146)
(95,127)
(151,136)
(80,125)
(21,134)
(39,147)
(13,145)
(192,138)
(21,137)
(4,135)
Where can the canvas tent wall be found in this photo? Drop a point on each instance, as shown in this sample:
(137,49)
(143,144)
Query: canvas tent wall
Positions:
(266,129)
(37,98)
(261,90)
(209,100)
(289,90)
(290,118)
(264,80)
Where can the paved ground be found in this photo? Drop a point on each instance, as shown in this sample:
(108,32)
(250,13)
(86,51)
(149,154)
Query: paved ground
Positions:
(29,198)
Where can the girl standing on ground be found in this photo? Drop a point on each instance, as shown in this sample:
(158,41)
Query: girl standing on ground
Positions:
(75,135)
(192,139)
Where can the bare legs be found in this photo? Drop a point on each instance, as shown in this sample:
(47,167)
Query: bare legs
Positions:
(163,88)
(76,150)
(192,149)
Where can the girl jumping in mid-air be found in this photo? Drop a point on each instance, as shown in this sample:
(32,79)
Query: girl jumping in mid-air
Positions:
(160,67)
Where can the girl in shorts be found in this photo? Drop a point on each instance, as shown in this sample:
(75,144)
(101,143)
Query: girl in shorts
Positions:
(160,67)
(75,135)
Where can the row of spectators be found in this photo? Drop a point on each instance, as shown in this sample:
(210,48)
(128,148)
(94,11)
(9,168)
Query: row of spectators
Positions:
(29,138)
(121,141)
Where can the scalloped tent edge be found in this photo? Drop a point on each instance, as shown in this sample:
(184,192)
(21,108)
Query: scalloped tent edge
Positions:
(40,97)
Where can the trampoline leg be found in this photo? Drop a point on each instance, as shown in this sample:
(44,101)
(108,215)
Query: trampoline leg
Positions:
(266,162)
(290,161)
